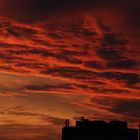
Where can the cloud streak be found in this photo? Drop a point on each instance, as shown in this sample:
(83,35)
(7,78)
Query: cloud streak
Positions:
(84,61)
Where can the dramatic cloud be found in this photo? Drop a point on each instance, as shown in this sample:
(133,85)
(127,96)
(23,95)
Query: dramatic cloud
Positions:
(63,59)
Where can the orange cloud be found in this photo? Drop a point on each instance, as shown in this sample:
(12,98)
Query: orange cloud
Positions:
(90,64)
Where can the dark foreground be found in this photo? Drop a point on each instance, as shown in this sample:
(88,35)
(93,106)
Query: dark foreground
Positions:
(99,130)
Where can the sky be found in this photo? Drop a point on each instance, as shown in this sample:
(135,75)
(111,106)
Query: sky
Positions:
(66,59)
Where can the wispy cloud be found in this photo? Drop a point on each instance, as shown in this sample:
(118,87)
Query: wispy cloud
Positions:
(77,64)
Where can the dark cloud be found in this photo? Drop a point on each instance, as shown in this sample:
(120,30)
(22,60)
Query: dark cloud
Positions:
(109,53)
(94,64)
(50,87)
(111,39)
(112,47)
(80,74)
(71,72)
(30,10)
(123,64)
(122,107)
(128,78)
(128,108)
(112,91)
(8,29)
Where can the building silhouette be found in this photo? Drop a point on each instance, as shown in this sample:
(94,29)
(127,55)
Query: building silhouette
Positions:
(98,130)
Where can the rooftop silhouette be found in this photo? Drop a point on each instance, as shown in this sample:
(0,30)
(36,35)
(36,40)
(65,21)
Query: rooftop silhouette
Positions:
(98,130)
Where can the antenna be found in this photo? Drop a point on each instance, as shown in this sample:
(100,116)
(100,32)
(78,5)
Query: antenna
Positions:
(67,123)
(83,118)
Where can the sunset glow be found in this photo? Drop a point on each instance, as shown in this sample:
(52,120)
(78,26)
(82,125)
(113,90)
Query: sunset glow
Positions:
(63,60)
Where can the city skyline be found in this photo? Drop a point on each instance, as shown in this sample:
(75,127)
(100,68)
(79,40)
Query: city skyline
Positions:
(99,129)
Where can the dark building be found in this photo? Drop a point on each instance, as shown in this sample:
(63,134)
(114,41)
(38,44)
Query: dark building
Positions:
(99,130)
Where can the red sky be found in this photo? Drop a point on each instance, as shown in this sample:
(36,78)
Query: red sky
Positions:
(67,59)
